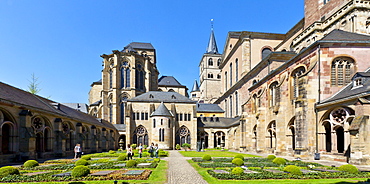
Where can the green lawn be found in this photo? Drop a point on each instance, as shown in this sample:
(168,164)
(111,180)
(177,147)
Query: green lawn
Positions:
(203,172)
(158,176)
(213,154)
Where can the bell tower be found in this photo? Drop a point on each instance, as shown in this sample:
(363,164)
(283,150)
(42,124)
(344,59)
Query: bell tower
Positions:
(319,10)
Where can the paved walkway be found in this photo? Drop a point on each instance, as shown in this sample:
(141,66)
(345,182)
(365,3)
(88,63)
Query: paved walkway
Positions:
(180,171)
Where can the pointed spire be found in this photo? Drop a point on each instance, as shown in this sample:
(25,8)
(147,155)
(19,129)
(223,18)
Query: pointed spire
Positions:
(212,46)
(195,86)
(162,111)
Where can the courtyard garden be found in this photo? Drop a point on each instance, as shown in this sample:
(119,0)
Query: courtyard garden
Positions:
(102,168)
(230,167)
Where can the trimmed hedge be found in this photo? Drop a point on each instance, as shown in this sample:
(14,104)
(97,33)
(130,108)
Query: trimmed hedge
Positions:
(293,169)
(207,157)
(8,170)
(86,157)
(30,163)
(237,161)
(131,163)
(279,161)
(81,162)
(80,171)
(348,168)
(237,170)
(271,157)
(239,156)
(122,157)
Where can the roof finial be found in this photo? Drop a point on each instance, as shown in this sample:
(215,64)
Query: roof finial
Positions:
(212,24)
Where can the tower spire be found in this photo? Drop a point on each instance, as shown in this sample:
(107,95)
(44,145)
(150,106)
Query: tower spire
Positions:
(212,46)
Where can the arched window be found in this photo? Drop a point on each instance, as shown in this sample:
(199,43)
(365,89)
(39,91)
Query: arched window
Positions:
(218,76)
(236,69)
(271,132)
(110,112)
(110,79)
(298,82)
(231,74)
(236,103)
(183,135)
(219,139)
(265,52)
(140,77)
(231,106)
(140,136)
(225,81)
(274,94)
(218,62)
(210,62)
(342,69)
(210,75)
(255,103)
(123,104)
(125,75)
(153,123)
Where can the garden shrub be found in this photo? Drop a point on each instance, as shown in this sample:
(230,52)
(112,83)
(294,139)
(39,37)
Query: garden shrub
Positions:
(207,157)
(279,161)
(131,163)
(122,157)
(237,170)
(86,157)
(133,146)
(163,153)
(178,147)
(293,169)
(31,163)
(186,146)
(271,157)
(348,168)
(145,154)
(80,171)
(157,160)
(81,162)
(8,170)
(239,156)
(111,152)
(237,161)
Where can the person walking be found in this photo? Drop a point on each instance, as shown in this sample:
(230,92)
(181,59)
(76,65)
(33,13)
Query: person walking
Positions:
(156,149)
(129,152)
(77,151)
(140,150)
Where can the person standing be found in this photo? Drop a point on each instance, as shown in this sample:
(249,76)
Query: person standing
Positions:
(77,151)
(156,149)
(151,150)
(140,150)
(129,152)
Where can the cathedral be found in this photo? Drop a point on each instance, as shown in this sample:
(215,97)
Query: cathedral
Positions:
(303,93)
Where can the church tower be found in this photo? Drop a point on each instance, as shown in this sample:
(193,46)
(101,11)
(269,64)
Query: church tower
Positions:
(162,132)
(195,92)
(126,74)
(210,74)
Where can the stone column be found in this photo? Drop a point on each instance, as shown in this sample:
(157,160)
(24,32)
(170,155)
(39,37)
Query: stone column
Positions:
(58,141)
(334,144)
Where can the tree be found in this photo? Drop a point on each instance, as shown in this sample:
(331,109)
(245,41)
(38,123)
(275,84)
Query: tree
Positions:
(33,87)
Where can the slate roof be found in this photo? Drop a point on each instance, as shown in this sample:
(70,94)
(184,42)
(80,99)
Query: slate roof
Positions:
(97,82)
(12,95)
(162,111)
(195,87)
(140,45)
(77,106)
(160,96)
(169,81)
(340,35)
(204,107)
(350,91)
(211,122)
(212,46)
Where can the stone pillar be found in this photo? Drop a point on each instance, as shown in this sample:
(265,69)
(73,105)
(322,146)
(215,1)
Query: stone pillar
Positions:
(58,141)
(27,145)
(334,144)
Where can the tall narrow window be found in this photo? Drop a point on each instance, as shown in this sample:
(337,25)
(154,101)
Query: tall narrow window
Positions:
(231,106)
(123,103)
(298,82)
(342,69)
(236,69)
(236,103)
(218,62)
(127,71)
(110,79)
(225,81)
(210,62)
(153,123)
(274,94)
(110,113)
(226,112)
(231,74)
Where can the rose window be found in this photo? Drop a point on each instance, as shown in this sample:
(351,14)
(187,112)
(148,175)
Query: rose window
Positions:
(183,131)
(338,115)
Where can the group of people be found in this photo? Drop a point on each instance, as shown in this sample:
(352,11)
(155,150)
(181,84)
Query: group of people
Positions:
(153,150)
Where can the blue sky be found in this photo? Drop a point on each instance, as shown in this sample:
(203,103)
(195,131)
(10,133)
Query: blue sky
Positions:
(61,41)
